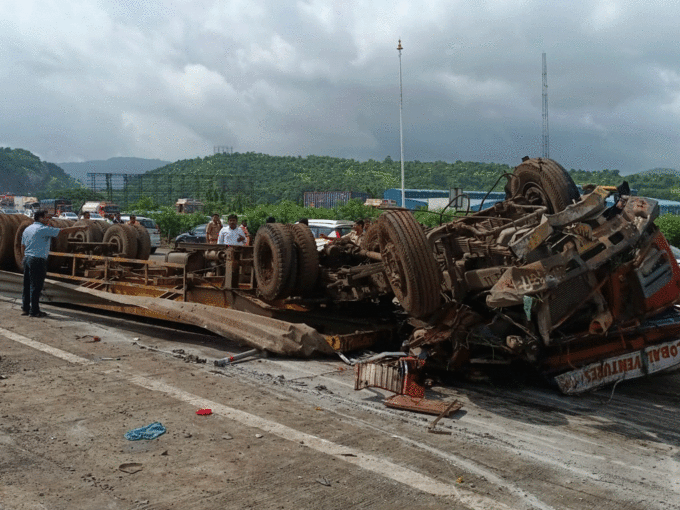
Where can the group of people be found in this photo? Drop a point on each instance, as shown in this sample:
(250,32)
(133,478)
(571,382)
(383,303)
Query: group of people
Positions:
(116,219)
(234,234)
(113,218)
(230,234)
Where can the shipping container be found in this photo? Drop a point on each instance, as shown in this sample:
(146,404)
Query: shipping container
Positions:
(332,199)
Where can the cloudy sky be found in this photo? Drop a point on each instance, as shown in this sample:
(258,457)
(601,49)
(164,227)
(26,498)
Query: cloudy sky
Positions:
(171,79)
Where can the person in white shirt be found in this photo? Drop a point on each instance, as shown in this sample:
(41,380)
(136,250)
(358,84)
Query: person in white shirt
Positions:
(232,234)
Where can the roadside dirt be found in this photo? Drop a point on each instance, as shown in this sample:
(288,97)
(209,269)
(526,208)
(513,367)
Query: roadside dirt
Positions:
(292,434)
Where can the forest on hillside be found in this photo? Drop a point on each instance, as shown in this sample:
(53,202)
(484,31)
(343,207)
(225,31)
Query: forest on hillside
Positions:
(261,179)
(23,173)
(247,179)
(265,179)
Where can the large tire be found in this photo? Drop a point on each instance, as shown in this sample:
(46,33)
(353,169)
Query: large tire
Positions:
(273,261)
(410,266)
(543,182)
(93,234)
(8,228)
(307,258)
(58,244)
(143,242)
(103,226)
(18,247)
(123,239)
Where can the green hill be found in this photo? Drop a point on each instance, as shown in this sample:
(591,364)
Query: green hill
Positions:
(274,178)
(254,178)
(261,178)
(23,173)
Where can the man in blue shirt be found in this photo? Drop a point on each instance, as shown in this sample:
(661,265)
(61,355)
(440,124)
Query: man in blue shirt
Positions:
(35,242)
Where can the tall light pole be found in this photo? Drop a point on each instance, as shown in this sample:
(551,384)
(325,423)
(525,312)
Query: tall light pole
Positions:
(401,129)
(545,139)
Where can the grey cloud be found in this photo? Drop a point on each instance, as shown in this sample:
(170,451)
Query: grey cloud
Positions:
(170,80)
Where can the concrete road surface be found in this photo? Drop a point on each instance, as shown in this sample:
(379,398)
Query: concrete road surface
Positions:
(293,434)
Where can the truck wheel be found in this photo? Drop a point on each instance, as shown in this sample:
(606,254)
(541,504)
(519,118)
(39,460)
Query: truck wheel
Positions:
(307,258)
(8,229)
(93,234)
(58,244)
(273,261)
(18,249)
(543,182)
(143,242)
(103,226)
(410,266)
(123,241)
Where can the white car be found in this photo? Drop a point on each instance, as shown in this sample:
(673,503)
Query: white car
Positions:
(330,228)
(68,216)
(150,225)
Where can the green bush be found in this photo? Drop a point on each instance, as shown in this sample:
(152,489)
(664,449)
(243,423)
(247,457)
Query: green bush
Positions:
(669,224)
(171,223)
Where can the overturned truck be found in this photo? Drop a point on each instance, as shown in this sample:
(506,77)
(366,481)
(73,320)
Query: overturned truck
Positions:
(580,290)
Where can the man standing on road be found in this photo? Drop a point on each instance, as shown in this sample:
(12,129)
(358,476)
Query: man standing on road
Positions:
(232,234)
(356,234)
(117,219)
(86,215)
(212,231)
(244,227)
(133,220)
(35,242)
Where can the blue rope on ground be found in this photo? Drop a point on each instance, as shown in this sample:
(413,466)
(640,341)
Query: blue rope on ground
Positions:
(149,432)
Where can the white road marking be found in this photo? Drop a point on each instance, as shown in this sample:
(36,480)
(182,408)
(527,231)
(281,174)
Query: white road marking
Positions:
(376,464)
(372,463)
(72,358)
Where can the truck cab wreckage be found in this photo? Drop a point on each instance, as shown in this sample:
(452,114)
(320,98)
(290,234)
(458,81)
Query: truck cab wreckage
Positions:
(582,292)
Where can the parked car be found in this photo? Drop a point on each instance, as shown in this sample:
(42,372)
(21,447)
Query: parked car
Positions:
(149,224)
(96,216)
(68,216)
(195,235)
(10,211)
(330,228)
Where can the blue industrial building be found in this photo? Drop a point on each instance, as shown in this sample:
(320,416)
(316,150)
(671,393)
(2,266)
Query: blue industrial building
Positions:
(422,198)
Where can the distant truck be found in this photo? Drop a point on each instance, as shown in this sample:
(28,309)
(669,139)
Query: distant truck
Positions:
(55,206)
(7,201)
(103,208)
(188,205)
(380,203)
(26,204)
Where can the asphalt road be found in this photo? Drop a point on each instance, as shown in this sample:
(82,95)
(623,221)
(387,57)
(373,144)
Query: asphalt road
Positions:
(288,433)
